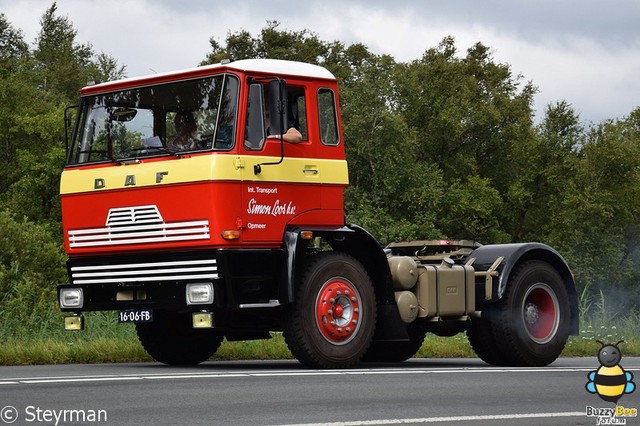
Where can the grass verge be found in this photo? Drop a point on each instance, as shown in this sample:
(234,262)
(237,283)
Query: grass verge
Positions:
(126,348)
(107,341)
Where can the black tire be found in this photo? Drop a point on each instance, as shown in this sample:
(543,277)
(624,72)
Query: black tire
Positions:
(172,340)
(531,324)
(385,351)
(484,344)
(331,322)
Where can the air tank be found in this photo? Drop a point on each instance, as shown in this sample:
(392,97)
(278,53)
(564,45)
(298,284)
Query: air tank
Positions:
(407,305)
(404,272)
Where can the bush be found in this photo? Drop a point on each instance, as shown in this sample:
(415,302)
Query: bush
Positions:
(31,264)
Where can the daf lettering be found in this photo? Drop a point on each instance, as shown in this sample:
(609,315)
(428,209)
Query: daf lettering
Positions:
(130,180)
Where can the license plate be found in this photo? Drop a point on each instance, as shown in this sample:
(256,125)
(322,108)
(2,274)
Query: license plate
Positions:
(135,315)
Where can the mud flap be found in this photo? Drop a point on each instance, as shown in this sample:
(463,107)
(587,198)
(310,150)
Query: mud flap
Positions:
(389,326)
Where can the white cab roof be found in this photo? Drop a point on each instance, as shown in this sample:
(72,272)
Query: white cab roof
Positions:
(265,66)
(278,66)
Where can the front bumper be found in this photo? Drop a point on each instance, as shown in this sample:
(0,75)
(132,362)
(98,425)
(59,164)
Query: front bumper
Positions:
(174,281)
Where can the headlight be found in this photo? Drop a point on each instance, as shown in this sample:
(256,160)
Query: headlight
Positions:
(199,294)
(71,298)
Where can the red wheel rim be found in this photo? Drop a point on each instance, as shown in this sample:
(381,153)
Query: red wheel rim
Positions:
(541,313)
(338,311)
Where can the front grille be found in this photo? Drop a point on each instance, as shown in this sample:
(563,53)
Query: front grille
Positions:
(178,270)
(133,215)
(138,225)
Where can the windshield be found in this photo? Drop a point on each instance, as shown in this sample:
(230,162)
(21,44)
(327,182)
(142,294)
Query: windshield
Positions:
(187,116)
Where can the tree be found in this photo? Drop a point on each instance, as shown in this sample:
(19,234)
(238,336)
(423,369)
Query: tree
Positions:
(272,43)
(611,165)
(29,121)
(544,166)
(33,94)
(469,115)
(390,192)
(239,46)
(12,47)
(62,64)
(468,111)
(106,68)
(31,263)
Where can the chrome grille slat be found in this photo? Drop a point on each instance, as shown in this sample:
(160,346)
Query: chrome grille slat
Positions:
(145,272)
(141,272)
(140,240)
(145,265)
(147,279)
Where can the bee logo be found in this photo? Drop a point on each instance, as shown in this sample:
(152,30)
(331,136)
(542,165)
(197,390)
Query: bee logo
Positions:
(610,381)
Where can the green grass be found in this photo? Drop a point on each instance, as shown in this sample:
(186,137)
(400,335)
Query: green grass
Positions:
(586,343)
(126,348)
(107,341)
(53,351)
(274,348)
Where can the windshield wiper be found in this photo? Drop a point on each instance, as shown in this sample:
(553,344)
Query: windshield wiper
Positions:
(153,150)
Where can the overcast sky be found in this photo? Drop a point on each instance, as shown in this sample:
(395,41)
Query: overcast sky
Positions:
(586,52)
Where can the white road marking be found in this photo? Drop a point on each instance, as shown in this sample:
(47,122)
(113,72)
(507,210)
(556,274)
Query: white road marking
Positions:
(284,373)
(8,381)
(448,419)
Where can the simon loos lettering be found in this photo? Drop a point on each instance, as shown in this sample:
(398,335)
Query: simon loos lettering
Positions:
(277,208)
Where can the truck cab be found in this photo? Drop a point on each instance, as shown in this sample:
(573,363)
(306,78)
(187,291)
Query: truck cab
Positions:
(127,187)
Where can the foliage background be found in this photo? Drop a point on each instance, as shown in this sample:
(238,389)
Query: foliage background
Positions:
(446,145)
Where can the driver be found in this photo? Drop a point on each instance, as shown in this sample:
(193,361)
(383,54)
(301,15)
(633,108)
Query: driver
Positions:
(186,127)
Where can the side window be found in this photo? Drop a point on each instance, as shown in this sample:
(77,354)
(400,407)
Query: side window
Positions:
(227,114)
(257,127)
(328,117)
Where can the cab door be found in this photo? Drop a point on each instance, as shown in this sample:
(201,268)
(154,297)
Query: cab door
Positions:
(280,182)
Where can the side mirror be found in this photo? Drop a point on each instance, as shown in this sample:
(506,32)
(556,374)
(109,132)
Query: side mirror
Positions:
(277,117)
(278,107)
(68,115)
(255,123)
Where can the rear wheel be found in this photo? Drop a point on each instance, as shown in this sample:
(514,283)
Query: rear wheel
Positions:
(484,344)
(531,324)
(171,339)
(332,320)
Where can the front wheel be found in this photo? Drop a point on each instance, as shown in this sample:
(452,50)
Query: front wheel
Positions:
(531,324)
(331,322)
(171,339)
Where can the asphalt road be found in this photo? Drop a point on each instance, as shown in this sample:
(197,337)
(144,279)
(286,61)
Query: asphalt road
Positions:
(438,391)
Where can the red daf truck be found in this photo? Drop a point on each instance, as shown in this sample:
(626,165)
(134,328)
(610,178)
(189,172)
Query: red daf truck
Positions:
(237,233)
